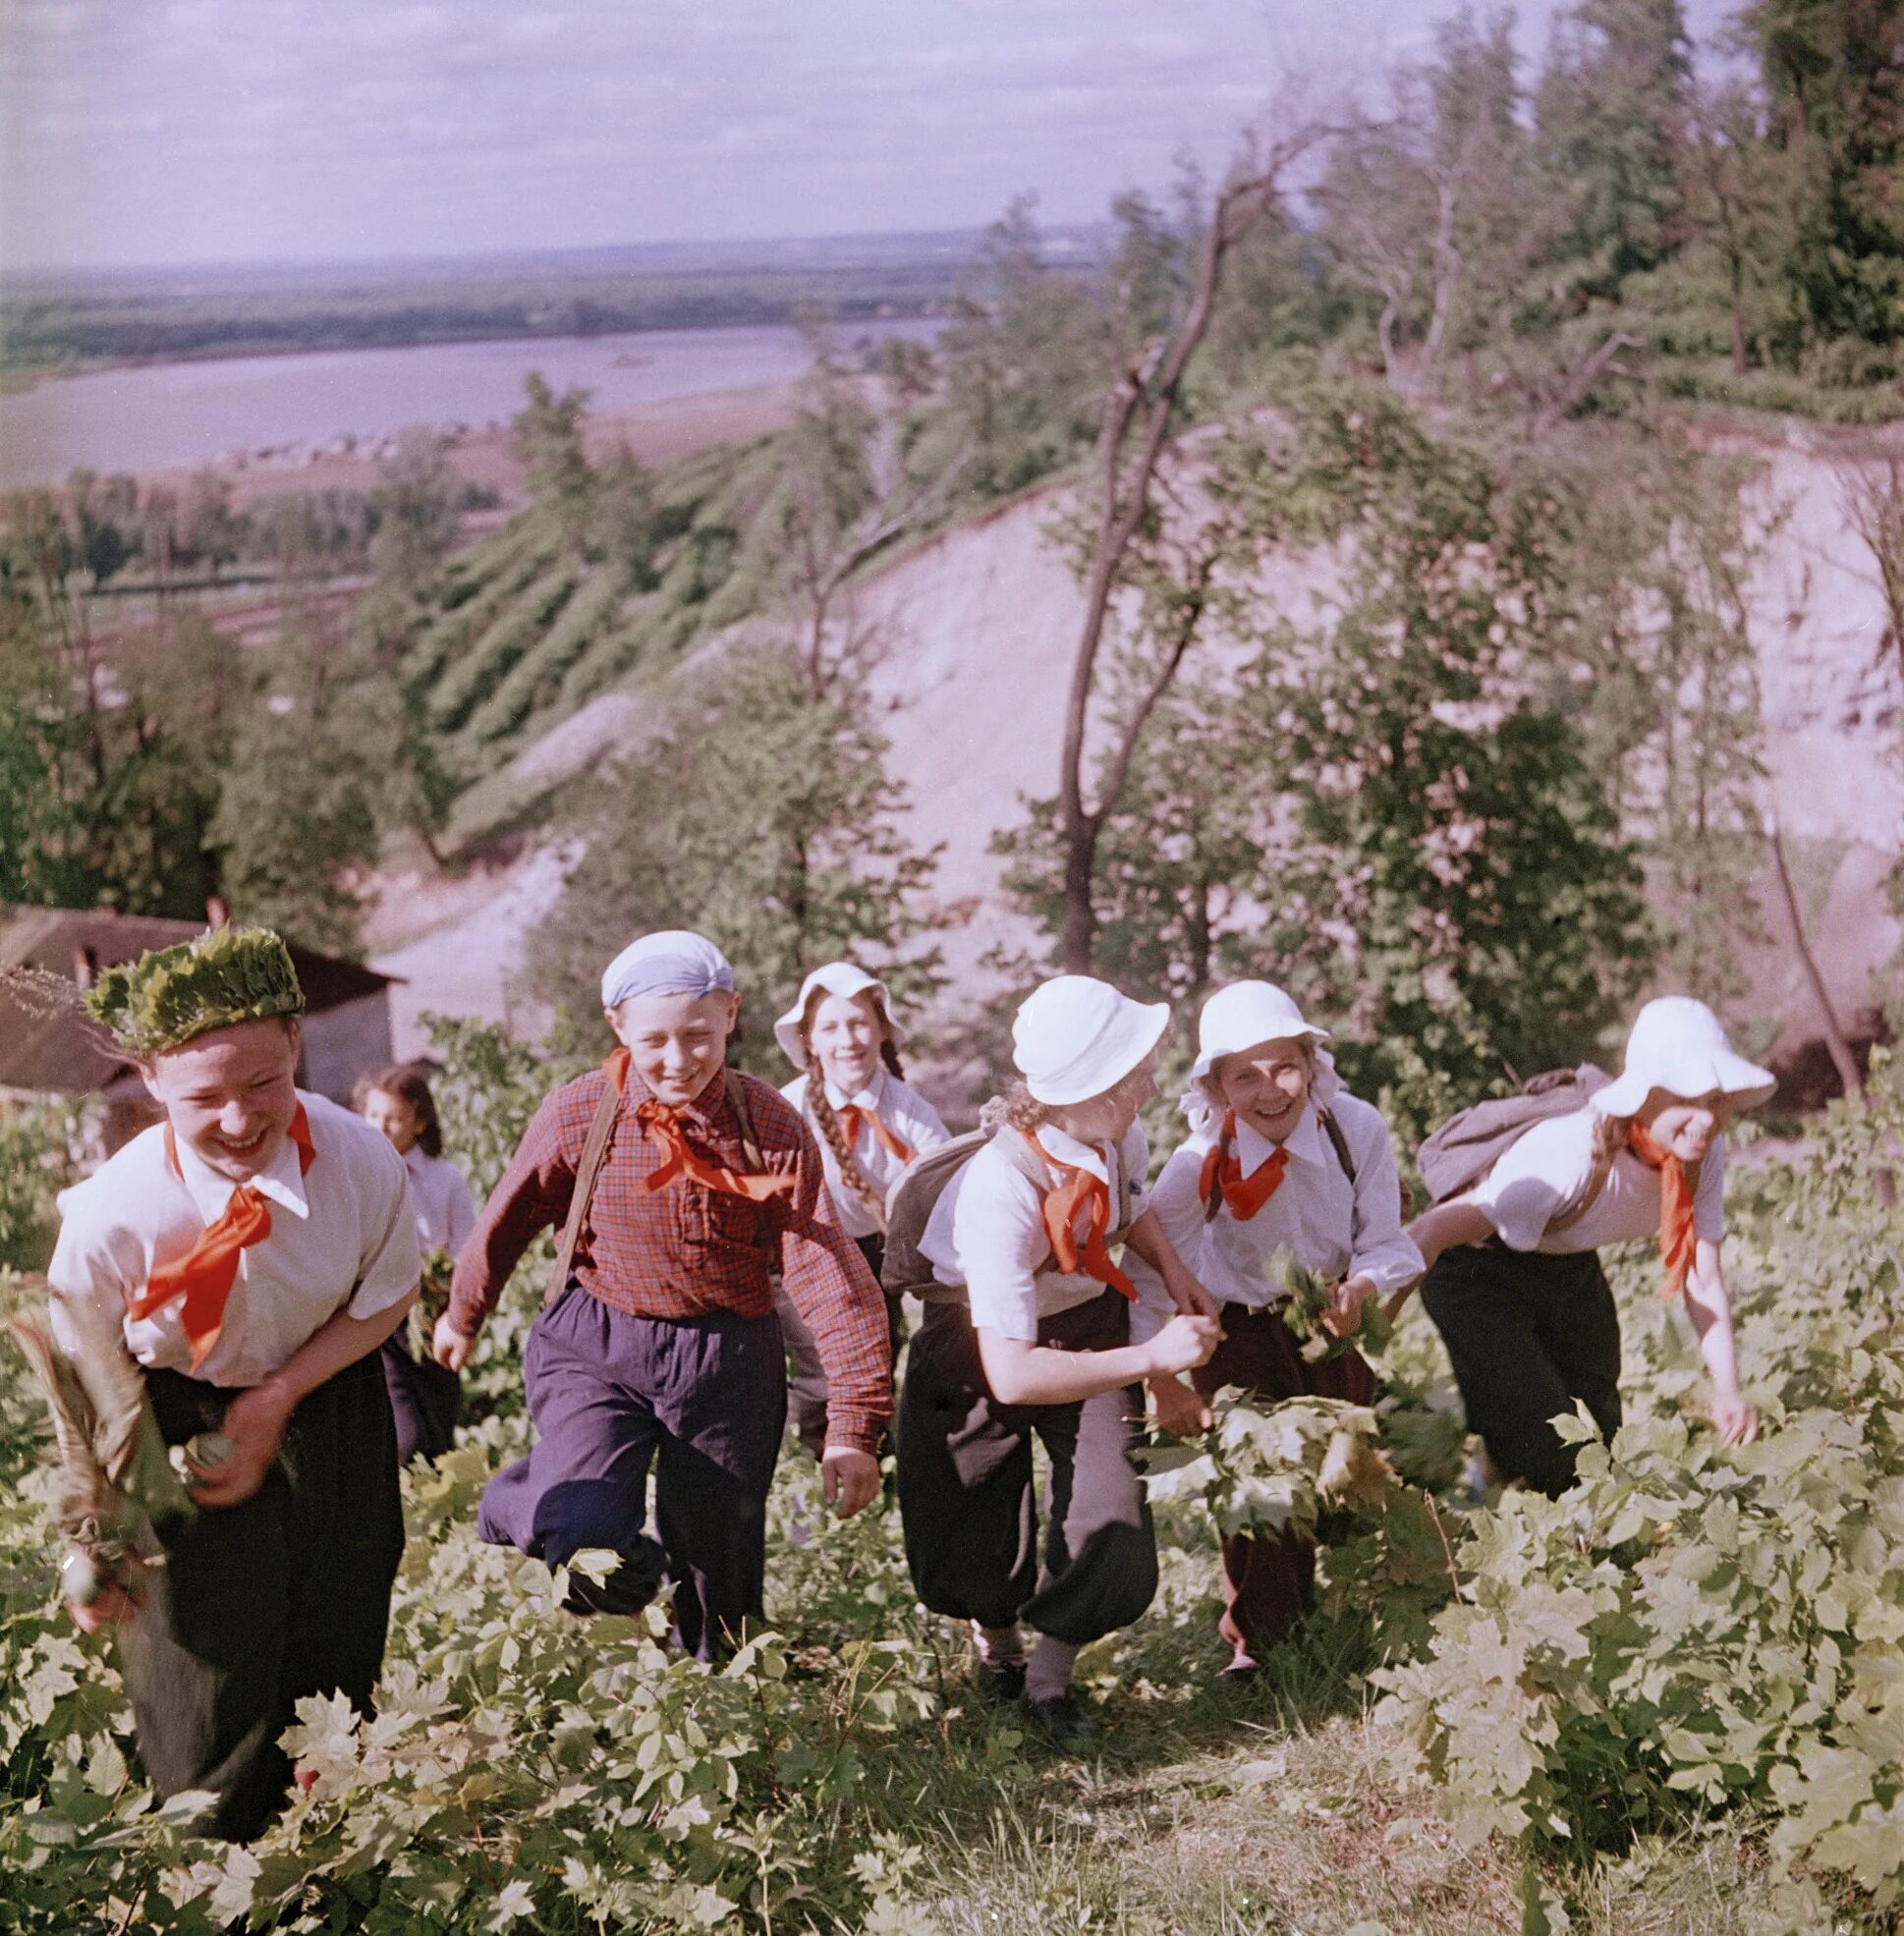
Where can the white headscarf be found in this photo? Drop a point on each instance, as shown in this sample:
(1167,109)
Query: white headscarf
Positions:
(673,961)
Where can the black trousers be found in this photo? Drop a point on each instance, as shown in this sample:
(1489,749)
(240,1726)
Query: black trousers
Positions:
(806,1379)
(259,1604)
(424,1399)
(702,1402)
(1527,1336)
(967,1497)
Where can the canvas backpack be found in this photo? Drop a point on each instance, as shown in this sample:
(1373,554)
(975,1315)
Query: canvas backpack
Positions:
(906,1269)
(1467,1145)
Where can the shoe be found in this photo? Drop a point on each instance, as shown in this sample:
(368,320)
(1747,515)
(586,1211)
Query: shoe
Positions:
(999,1683)
(1066,1723)
(1241,1671)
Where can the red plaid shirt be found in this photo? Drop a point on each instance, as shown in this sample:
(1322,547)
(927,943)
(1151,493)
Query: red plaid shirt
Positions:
(685,1250)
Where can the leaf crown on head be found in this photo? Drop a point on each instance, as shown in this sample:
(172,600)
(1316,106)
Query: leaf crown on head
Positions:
(169,995)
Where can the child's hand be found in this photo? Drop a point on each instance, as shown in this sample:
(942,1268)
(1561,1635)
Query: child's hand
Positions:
(1183,1344)
(449,1347)
(1187,1293)
(1735,1421)
(1343,1317)
(1180,1411)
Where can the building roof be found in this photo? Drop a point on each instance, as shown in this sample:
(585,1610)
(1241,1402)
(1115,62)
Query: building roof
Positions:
(47,1048)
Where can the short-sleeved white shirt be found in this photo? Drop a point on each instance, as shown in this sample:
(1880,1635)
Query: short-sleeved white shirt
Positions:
(1329,1225)
(1553,1159)
(986,1231)
(440,1197)
(342,1235)
(902,1110)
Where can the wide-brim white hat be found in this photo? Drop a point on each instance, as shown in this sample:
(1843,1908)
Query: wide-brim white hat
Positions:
(1075,1036)
(832,978)
(1677,1045)
(1241,1016)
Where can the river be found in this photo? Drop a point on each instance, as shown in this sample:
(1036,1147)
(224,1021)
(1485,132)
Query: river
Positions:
(165,416)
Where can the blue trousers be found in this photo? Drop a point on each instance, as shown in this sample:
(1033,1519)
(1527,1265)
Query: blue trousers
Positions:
(702,1401)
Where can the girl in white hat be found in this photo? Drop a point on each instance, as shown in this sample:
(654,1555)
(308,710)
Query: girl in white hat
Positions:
(1281,1159)
(869,1123)
(1514,1280)
(1039,1345)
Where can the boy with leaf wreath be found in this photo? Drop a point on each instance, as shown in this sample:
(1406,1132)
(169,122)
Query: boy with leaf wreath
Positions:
(249,1253)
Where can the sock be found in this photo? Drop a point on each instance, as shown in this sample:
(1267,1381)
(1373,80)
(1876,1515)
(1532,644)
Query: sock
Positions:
(1049,1676)
(999,1647)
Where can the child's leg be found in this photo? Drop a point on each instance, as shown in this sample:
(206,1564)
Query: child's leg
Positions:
(719,1388)
(965,1481)
(1580,1324)
(1268,1578)
(585,1485)
(1487,1304)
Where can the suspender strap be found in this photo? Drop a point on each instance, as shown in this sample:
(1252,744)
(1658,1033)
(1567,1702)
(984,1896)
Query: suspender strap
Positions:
(750,1143)
(1331,1128)
(600,1133)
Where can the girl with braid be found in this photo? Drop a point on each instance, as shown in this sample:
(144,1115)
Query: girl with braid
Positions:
(869,1123)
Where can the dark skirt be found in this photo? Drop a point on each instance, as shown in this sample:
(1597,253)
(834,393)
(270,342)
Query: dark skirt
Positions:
(967,1495)
(1528,1335)
(260,1604)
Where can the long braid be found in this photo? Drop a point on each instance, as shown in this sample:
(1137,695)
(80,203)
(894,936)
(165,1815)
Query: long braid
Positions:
(828,1124)
(890,1052)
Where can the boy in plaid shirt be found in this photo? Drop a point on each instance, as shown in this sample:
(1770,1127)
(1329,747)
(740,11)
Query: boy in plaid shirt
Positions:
(662,1347)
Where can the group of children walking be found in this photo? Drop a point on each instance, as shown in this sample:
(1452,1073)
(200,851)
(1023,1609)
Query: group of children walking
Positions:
(260,1248)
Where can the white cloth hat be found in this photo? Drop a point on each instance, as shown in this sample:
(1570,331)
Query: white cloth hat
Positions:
(1243,1015)
(1677,1045)
(835,978)
(1076,1036)
(670,962)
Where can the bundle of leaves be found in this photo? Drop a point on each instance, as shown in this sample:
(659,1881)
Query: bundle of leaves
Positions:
(1305,1302)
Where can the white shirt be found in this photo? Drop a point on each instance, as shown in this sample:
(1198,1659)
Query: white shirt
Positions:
(1551,1161)
(440,1197)
(342,1236)
(902,1110)
(1326,1224)
(986,1231)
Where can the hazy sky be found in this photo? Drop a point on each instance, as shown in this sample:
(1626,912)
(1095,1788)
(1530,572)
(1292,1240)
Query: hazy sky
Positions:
(198,131)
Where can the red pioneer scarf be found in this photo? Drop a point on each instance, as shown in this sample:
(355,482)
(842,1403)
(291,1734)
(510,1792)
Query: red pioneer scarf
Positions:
(1223,1169)
(1061,1204)
(1678,1241)
(665,1127)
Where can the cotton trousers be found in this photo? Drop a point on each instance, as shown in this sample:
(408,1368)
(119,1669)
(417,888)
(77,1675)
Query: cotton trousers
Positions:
(259,1604)
(1269,1579)
(966,1493)
(806,1379)
(424,1397)
(701,1400)
(1527,1336)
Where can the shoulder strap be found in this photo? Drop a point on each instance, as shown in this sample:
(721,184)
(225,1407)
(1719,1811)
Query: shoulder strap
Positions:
(750,1143)
(1338,1143)
(1587,1195)
(1021,1153)
(594,1150)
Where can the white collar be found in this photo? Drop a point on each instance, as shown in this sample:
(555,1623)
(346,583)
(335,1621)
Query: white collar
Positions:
(283,1184)
(867,1099)
(1254,1148)
(1078,1155)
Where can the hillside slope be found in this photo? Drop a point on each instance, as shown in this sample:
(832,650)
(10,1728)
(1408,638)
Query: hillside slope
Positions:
(977,630)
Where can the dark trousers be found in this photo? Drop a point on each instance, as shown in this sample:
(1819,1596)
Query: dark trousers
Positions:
(424,1397)
(806,1379)
(259,1604)
(966,1488)
(702,1399)
(1527,1336)
(1269,1579)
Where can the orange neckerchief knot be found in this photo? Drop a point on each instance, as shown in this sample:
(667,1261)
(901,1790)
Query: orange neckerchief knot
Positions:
(852,1119)
(204,1277)
(1223,1169)
(665,1127)
(1678,1241)
(1061,1206)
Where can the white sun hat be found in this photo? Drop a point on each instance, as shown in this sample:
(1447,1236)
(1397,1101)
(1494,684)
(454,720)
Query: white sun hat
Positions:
(1075,1036)
(833,979)
(1677,1045)
(1243,1015)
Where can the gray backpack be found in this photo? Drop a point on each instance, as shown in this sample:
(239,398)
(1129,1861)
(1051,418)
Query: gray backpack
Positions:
(1457,1155)
(906,1269)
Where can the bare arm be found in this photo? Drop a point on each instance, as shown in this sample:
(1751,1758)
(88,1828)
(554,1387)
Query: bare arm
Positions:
(1446,1227)
(1148,1239)
(1710,1308)
(1022,1373)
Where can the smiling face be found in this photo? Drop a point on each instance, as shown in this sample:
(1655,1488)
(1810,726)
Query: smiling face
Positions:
(845,1032)
(676,1044)
(395,1118)
(1685,1128)
(229,1094)
(1268,1085)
